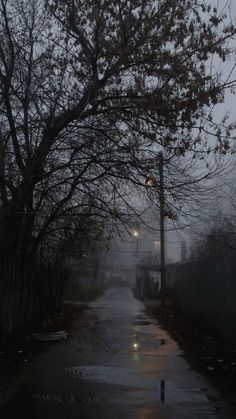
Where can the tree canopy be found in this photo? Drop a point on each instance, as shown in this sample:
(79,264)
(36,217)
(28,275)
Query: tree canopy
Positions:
(91,91)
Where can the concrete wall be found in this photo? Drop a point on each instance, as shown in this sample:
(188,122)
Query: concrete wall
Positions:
(207,291)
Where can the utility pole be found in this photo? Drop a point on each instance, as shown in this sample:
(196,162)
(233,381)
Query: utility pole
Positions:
(150,181)
(162,228)
(137,250)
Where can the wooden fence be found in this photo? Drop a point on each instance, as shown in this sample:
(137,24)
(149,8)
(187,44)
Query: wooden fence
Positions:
(28,292)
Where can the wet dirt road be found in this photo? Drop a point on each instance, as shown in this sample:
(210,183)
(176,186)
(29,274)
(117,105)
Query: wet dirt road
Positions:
(118,363)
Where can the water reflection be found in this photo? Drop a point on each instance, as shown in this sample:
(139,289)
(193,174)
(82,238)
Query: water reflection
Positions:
(146,371)
(136,343)
(136,347)
(163,391)
(64,398)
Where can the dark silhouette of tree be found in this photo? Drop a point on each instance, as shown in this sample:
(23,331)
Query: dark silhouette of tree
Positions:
(90,92)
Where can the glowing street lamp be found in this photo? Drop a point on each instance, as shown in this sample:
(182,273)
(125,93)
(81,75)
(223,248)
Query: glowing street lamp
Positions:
(150,181)
(136,234)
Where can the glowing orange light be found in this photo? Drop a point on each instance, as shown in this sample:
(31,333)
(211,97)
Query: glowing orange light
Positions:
(150,181)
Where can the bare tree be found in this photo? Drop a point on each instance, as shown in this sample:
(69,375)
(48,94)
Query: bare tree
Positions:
(91,91)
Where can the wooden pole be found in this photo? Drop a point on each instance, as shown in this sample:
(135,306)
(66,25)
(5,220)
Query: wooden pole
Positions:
(162,228)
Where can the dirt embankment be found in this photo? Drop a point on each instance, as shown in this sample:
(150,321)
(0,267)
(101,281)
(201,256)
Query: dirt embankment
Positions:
(15,361)
(204,350)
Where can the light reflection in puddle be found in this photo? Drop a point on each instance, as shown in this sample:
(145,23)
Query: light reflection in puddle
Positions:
(145,345)
(150,388)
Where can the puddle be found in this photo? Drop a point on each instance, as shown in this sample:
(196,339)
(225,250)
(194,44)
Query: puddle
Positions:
(150,387)
(140,317)
(63,399)
(107,375)
(146,345)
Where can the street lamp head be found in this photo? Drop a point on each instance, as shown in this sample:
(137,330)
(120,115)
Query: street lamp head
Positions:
(150,181)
